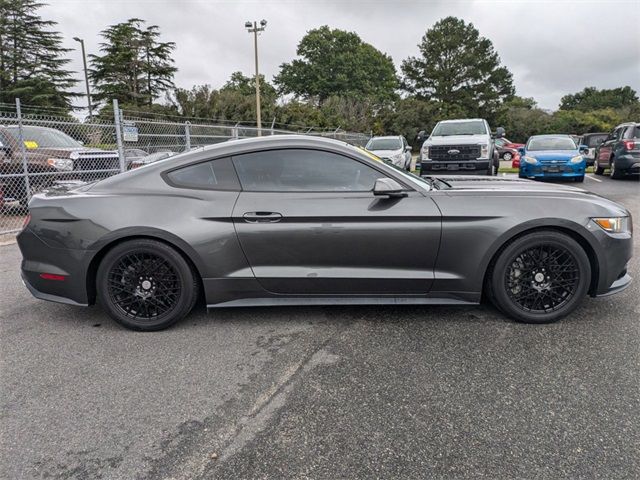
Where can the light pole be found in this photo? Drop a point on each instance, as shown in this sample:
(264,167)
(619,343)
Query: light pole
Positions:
(252,27)
(86,76)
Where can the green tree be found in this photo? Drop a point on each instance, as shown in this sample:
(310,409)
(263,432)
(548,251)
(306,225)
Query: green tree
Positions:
(134,65)
(593,99)
(32,60)
(337,63)
(458,67)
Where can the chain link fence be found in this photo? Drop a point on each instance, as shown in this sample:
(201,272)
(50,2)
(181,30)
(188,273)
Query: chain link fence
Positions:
(39,151)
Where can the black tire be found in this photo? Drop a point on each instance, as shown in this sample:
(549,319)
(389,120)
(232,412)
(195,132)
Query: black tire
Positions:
(556,277)
(615,172)
(146,285)
(597,169)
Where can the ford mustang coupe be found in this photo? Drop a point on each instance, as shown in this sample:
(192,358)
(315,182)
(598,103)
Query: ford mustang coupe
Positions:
(297,220)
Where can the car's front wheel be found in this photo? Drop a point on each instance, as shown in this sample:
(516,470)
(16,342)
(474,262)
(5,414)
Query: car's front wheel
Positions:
(507,156)
(539,277)
(144,284)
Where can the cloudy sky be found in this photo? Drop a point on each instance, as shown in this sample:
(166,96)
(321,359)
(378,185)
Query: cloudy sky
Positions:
(551,47)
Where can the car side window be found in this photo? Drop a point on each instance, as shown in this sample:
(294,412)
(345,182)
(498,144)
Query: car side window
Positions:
(302,170)
(210,175)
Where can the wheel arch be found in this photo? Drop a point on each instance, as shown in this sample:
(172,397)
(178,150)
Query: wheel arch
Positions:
(564,228)
(116,238)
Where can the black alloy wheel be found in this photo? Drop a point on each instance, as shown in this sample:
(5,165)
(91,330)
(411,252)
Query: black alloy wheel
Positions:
(146,285)
(540,277)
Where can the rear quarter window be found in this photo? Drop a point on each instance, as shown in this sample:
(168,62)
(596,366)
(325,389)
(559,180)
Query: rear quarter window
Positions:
(210,175)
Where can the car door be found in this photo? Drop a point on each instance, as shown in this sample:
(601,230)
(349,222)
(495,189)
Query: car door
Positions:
(309,223)
(606,149)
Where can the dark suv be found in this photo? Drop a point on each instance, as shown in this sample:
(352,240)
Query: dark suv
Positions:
(620,152)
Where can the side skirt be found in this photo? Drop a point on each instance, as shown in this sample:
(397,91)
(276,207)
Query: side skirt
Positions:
(302,301)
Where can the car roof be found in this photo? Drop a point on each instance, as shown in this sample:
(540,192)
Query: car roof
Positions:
(387,136)
(462,120)
(552,135)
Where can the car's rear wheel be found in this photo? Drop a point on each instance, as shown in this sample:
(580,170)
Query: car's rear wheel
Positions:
(539,277)
(614,172)
(146,285)
(597,169)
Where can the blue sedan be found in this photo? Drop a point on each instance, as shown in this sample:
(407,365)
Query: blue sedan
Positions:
(552,156)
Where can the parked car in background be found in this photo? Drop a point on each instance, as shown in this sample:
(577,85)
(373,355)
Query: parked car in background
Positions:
(392,148)
(464,146)
(515,162)
(592,140)
(301,220)
(620,152)
(506,148)
(552,156)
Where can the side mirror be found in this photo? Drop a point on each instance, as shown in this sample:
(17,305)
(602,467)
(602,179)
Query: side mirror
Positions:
(583,149)
(388,187)
(421,136)
(408,148)
(521,151)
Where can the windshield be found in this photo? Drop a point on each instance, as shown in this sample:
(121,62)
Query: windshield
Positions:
(384,144)
(593,141)
(472,127)
(551,143)
(36,137)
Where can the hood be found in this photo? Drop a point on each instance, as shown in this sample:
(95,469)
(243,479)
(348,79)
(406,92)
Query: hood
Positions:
(386,153)
(505,184)
(458,140)
(543,155)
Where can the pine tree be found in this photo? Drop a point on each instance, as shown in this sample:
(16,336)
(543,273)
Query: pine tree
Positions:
(32,60)
(134,65)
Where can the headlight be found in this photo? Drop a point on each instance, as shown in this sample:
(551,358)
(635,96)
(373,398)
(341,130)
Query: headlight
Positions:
(425,152)
(614,224)
(577,159)
(60,164)
(484,151)
(530,160)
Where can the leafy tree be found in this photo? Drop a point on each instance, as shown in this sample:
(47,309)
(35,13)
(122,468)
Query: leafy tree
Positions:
(244,85)
(134,66)
(458,67)
(593,99)
(337,63)
(32,60)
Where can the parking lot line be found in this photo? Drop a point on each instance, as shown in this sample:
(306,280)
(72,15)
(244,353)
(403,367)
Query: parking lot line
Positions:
(593,178)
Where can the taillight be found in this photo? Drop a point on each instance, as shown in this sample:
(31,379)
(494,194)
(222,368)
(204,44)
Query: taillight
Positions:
(629,144)
(27,219)
(53,276)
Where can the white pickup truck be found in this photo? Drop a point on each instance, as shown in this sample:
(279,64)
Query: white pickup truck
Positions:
(460,146)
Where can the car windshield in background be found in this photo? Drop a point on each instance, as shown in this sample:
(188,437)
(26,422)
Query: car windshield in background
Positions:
(551,143)
(384,144)
(35,137)
(459,128)
(595,140)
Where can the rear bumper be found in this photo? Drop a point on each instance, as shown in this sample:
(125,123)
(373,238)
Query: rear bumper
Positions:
(629,164)
(39,258)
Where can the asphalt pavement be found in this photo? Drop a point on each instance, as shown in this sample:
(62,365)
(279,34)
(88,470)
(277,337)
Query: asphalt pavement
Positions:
(322,392)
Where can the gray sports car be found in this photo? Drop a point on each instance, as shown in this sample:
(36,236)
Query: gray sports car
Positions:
(292,220)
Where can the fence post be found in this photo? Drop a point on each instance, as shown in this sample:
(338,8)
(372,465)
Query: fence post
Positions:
(234,131)
(116,116)
(23,151)
(273,123)
(187,136)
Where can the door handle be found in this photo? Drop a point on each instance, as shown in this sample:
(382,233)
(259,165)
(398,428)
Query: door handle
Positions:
(262,217)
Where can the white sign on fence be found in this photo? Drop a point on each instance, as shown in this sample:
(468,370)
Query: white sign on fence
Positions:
(129,133)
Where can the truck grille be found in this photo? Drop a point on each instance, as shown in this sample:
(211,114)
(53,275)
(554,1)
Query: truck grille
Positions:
(97,161)
(444,153)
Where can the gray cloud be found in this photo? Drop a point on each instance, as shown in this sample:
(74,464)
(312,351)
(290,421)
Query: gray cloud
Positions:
(552,48)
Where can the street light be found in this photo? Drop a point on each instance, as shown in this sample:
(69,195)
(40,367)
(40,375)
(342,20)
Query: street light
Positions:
(252,27)
(86,75)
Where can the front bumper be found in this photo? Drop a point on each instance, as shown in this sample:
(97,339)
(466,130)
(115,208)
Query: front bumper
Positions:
(565,170)
(464,166)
